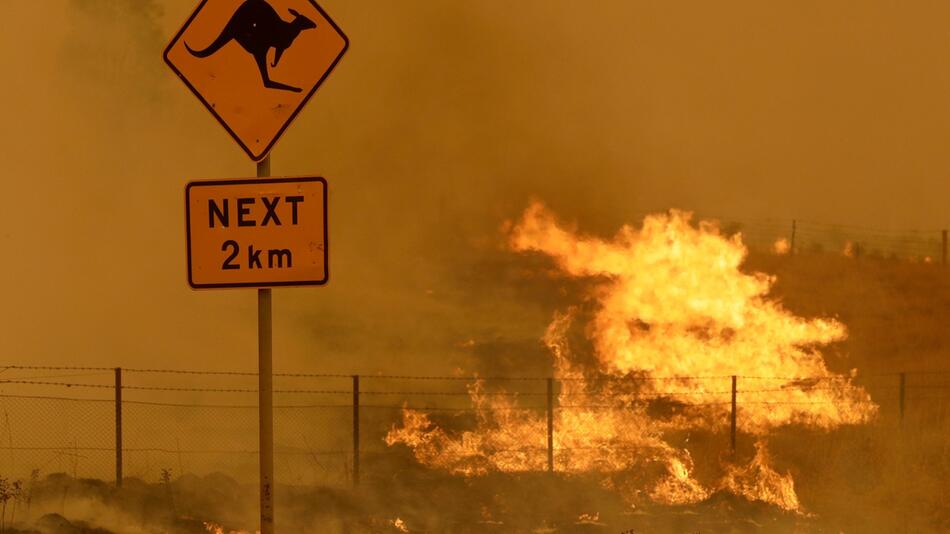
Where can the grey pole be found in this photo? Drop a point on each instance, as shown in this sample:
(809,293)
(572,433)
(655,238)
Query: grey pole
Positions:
(265,393)
(943,248)
(901,393)
(550,425)
(118,427)
(732,419)
(791,249)
(356,430)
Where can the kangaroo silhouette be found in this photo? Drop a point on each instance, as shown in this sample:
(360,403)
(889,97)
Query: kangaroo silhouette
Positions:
(257,27)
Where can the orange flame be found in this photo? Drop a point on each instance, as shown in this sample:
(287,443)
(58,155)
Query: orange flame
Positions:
(675,319)
(759,482)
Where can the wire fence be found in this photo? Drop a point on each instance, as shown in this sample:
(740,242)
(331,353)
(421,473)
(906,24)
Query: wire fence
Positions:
(804,236)
(67,419)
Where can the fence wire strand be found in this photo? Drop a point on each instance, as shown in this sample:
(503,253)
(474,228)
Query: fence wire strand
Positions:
(174,421)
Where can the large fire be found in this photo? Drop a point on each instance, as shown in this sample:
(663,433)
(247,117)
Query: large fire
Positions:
(674,320)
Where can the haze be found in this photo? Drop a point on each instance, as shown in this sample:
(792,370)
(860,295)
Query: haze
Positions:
(440,123)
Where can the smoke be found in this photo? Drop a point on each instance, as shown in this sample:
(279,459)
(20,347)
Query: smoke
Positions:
(442,120)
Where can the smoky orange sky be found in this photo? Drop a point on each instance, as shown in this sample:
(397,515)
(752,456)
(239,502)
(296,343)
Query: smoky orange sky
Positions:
(443,119)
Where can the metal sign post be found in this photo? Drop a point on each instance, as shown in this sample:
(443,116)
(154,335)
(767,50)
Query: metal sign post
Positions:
(255,64)
(259,233)
(265,392)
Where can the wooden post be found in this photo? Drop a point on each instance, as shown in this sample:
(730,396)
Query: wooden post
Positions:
(902,391)
(265,395)
(356,430)
(550,425)
(118,427)
(791,248)
(732,430)
(943,248)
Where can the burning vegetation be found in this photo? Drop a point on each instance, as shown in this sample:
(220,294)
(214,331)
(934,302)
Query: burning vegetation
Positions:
(670,323)
(659,336)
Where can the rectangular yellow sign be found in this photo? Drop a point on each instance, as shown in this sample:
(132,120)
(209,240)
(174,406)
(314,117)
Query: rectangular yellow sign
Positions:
(257,232)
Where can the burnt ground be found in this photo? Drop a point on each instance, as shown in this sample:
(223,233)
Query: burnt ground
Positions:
(430,501)
(503,504)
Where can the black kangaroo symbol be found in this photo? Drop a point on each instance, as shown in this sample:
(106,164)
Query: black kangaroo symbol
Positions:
(257,27)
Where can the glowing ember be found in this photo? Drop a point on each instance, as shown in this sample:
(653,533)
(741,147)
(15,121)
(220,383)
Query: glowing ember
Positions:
(589,519)
(674,320)
(218,529)
(850,250)
(781,247)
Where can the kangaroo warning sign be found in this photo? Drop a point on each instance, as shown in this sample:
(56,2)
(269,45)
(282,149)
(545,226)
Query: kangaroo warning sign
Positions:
(255,63)
(257,232)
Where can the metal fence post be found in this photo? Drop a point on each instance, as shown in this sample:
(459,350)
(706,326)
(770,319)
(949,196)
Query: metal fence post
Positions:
(118,427)
(791,248)
(732,430)
(550,424)
(356,430)
(943,248)
(902,390)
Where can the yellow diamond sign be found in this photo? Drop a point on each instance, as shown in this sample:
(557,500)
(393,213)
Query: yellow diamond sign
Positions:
(255,63)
